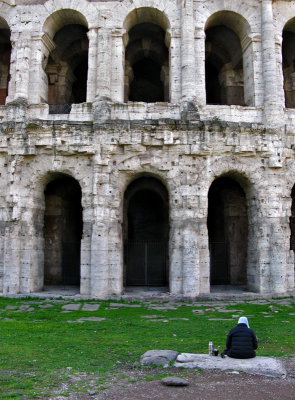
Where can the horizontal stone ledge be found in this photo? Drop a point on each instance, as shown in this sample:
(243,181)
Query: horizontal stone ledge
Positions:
(266,366)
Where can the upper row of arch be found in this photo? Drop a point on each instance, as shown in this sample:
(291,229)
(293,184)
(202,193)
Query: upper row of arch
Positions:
(120,15)
(168,8)
(126,15)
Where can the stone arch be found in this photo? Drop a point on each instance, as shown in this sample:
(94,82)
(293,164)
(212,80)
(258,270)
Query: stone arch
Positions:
(5,54)
(143,14)
(228,230)
(62,229)
(66,60)
(228,50)
(288,62)
(146,232)
(122,12)
(146,56)
(62,17)
(85,8)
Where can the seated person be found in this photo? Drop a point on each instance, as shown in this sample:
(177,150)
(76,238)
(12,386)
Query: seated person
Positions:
(241,341)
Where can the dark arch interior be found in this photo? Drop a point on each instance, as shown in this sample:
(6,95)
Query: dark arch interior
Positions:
(146,66)
(213,87)
(62,232)
(288,55)
(5,52)
(146,84)
(146,233)
(68,66)
(228,233)
(224,67)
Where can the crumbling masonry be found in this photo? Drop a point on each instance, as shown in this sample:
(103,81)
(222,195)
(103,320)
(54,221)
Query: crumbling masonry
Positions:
(147,143)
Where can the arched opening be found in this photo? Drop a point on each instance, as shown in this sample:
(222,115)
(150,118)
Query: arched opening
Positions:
(224,67)
(226,81)
(5,53)
(62,231)
(67,64)
(228,233)
(146,233)
(146,57)
(288,55)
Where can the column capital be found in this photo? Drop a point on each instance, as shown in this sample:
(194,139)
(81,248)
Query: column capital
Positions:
(118,32)
(92,33)
(48,42)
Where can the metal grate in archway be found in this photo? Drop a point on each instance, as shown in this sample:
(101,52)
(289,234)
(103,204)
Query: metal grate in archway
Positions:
(146,263)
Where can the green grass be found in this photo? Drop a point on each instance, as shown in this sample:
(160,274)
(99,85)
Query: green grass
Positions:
(40,351)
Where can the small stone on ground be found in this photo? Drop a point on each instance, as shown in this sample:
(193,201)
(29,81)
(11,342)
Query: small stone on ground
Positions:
(174,381)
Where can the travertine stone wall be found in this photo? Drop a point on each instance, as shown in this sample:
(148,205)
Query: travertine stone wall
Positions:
(105,144)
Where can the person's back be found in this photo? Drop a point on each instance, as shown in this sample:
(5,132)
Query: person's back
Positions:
(241,341)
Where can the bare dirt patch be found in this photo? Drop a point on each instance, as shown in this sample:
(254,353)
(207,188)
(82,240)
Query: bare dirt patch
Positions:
(203,385)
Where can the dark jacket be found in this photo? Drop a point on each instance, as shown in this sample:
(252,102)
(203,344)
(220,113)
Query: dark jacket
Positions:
(241,342)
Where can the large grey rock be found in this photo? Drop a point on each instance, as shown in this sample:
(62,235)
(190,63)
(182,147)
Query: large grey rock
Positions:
(158,357)
(44,306)
(91,319)
(90,307)
(71,307)
(125,305)
(174,381)
(266,366)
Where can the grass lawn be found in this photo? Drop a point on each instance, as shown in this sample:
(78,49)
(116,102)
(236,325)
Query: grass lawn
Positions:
(45,349)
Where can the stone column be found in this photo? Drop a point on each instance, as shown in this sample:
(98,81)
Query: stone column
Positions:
(188,81)
(42,46)
(12,239)
(11,264)
(269,268)
(190,261)
(280,73)
(88,221)
(19,65)
(99,276)
(115,257)
(184,258)
(118,55)
(200,66)
(104,66)
(272,109)
(252,62)
(173,41)
(92,64)
(175,257)
(35,250)
(99,260)
(85,282)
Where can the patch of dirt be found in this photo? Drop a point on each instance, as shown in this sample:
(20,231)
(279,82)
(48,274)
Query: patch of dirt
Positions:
(203,385)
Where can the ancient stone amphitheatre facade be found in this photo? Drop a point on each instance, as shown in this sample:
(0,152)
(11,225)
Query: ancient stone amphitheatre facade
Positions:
(147,143)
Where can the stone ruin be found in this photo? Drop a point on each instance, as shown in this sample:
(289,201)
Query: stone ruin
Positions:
(147,143)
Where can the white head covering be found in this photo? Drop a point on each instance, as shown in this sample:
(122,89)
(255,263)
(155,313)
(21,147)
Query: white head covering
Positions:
(244,320)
